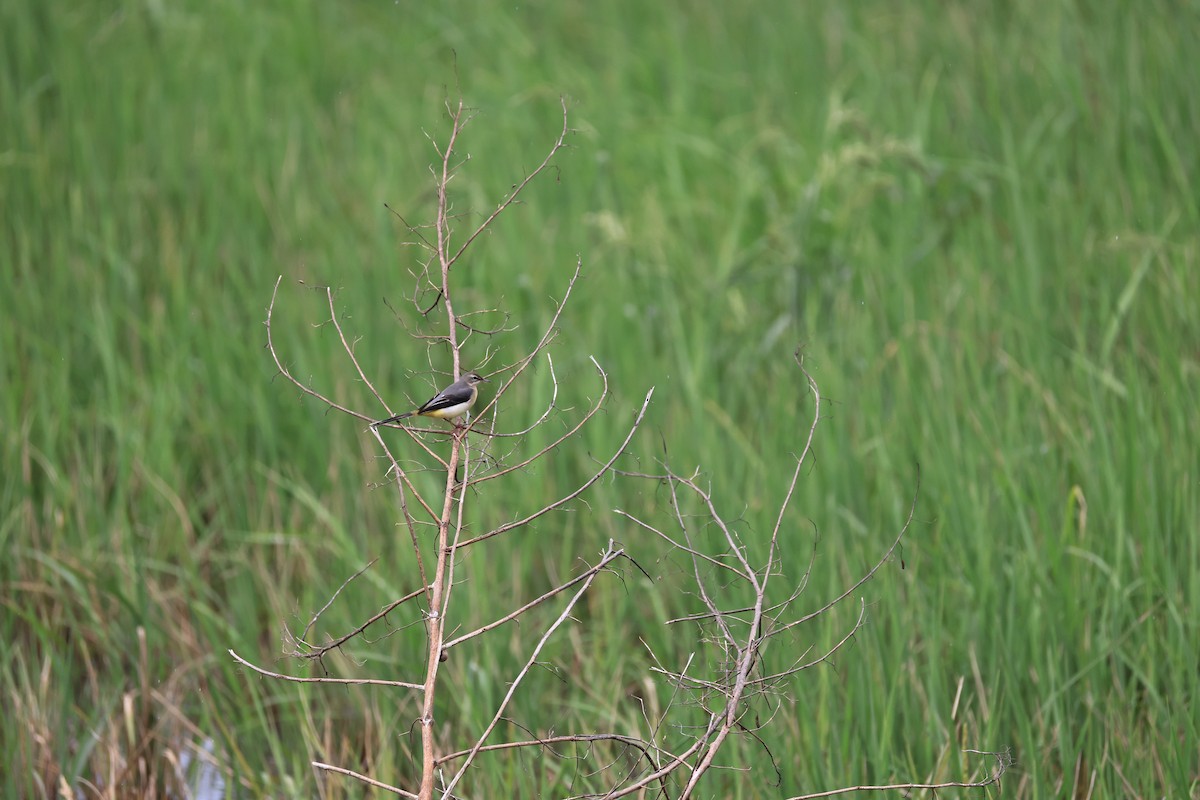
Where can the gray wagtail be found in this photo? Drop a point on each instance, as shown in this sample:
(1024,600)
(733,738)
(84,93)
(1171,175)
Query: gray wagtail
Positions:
(453,401)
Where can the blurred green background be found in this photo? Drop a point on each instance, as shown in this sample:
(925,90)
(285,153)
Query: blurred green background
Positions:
(980,221)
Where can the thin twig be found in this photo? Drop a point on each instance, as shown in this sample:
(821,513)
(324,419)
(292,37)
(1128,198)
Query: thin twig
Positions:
(646,747)
(799,667)
(554,444)
(512,196)
(887,556)
(547,337)
(604,562)
(359,776)
(319,651)
(578,491)
(716,562)
(791,489)
(333,317)
(1003,761)
(345,681)
(287,374)
(329,603)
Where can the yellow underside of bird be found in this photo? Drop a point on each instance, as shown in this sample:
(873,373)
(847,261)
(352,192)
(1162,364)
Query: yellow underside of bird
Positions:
(449,412)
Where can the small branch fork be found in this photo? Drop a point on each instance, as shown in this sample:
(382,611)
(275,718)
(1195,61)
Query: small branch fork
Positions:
(738,635)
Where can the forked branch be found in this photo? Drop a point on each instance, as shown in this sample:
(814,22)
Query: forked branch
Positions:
(737,636)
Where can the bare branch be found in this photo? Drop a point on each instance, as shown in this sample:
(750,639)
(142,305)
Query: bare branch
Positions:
(887,556)
(452,550)
(512,196)
(604,562)
(548,448)
(748,576)
(436,621)
(685,548)
(791,488)
(319,651)
(1003,762)
(404,488)
(548,336)
(799,667)
(329,603)
(520,677)
(349,681)
(646,747)
(287,374)
(360,777)
(580,490)
(671,765)
(333,317)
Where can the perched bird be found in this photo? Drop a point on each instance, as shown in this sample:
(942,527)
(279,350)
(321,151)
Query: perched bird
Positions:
(453,401)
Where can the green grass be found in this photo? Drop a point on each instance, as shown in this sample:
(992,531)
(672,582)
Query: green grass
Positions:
(981,221)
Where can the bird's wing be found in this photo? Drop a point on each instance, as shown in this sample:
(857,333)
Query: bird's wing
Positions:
(443,399)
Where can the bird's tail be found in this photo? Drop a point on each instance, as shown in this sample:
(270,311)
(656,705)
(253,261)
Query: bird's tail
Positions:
(396,418)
